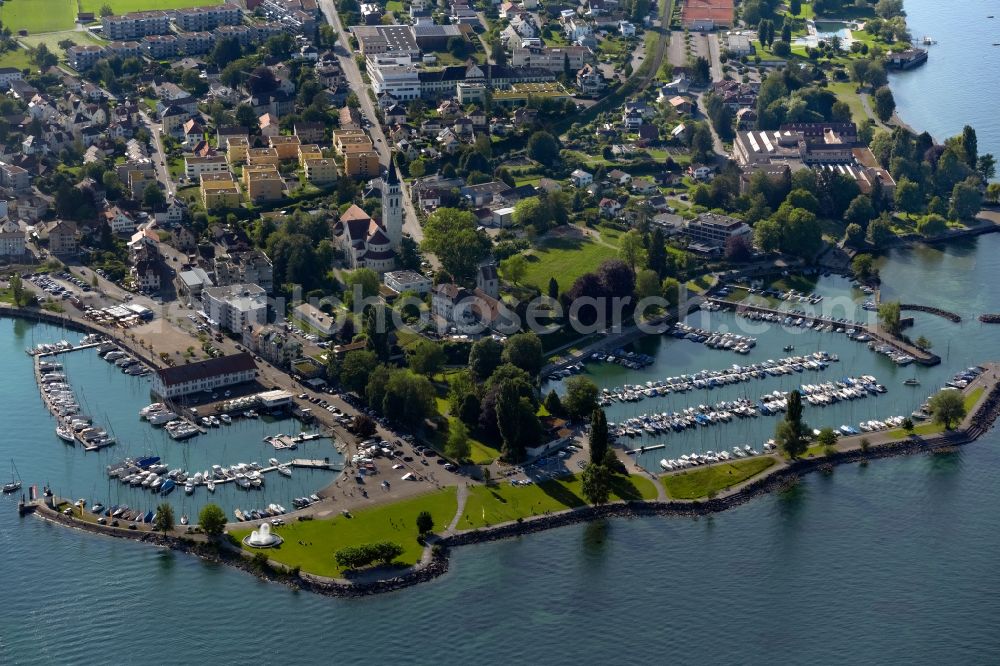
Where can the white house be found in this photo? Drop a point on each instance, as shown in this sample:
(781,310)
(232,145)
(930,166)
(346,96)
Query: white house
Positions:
(235,307)
(626,28)
(208,375)
(581,178)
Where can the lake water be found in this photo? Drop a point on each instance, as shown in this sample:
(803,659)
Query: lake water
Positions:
(882,560)
(955,86)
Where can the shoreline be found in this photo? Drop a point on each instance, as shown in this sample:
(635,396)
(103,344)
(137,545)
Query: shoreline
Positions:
(436,557)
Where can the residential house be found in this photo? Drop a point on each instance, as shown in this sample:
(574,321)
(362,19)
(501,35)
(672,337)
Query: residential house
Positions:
(609,207)
(119,221)
(235,307)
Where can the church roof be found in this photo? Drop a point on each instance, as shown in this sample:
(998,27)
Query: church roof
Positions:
(354,213)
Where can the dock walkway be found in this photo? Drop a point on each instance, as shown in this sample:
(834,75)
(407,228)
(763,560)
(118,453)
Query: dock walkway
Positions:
(921,356)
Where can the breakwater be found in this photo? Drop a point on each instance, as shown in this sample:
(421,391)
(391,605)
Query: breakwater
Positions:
(990,318)
(912,307)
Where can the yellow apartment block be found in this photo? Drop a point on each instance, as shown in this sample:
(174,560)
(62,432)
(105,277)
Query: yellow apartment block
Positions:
(320,171)
(236,149)
(349,137)
(263,183)
(219,190)
(309,151)
(263,157)
(361,162)
(286,145)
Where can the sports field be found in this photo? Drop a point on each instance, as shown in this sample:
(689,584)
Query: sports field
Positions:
(126,6)
(38,15)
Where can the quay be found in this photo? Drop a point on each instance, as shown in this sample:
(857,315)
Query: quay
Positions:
(921,356)
(301,463)
(56,352)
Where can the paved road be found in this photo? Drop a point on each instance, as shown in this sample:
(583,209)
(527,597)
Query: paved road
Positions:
(160,157)
(411,222)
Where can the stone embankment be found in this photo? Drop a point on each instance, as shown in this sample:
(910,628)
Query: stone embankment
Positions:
(950,316)
(990,318)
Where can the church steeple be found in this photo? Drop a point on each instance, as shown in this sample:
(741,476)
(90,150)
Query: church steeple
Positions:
(392,206)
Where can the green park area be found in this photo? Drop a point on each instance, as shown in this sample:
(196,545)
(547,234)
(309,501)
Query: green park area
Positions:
(479,452)
(38,15)
(706,481)
(311,544)
(565,259)
(932,428)
(502,502)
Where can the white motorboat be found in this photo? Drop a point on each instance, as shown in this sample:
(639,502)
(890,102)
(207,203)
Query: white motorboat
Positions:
(161,417)
(211,485)
(284,470)
(188,488)
(226,418)
(65,433)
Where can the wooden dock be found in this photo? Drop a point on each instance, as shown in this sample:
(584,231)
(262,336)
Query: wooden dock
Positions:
(921,356)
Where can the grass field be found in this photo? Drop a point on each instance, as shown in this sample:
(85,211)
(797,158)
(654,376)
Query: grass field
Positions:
(126,6)
(394,6)
(52,39)
(565,259)
(17,58)
(503,502)
(931,428)
(846,93)
(704,481)
(311,544)
(39,15)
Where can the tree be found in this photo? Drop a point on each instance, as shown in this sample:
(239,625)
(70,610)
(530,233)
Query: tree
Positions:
(365,279)
(543,148)
(647,284)
(826,437)
(598,436)
(596,483)
(970,144)
(363,426)
(581,397)
(790,433)
(986,166)
(738,249)
(262,81)
(767,235)
(152,196)
(932,225)
(993,192)
(880,231)
(247,117)
(631,248)
(355,557)
(164,519)
(553,405)
(514,267)
(947,407)
(908,197)
(508,404)
(355,369)
(524,350)
(212,520)
(553,290)
(794,7)
(860,212)
(854,236)
(782,48)
(701,70)
(106,10)
(656,254)
(485,357)
(966,200)
(452,235)
(888,316)
(17,290)
(425,522)
(885,105)
(863,266)
(457,446)
(923,343)
(426,357)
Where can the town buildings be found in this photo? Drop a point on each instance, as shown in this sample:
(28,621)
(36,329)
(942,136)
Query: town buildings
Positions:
(234,307)
(207,375)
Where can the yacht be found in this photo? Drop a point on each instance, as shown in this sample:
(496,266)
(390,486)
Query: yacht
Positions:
(284,470)
(161,417)
(188,488)
(65,433)
(211,485)
(226,418)
(912,381)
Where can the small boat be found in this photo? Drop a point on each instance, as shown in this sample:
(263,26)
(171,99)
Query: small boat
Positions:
(226,418)
(188,488)
(97,508)
(15,480)
(184,519)
(912,381)
(788,348)
(284,470)
(211,485)
(239,515)
(167,487)
(65,433)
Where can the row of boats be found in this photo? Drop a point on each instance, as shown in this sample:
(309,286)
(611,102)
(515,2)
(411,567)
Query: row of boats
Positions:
(158,414)
(710,379)
(72,426)
(149,472)
(628,359)
(129,365)
(662,423)
(271,511)
(52,347)
(741,344)
(852,329)
(709,457)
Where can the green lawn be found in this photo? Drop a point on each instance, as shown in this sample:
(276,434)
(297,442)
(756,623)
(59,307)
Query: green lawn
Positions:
(311,544)
(502,502)
(17,58)
(52,39)
(479,452)
(565,259)
(846,93)
(126,6)
(38,15)
(703,481)
(394,6)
